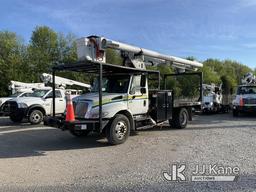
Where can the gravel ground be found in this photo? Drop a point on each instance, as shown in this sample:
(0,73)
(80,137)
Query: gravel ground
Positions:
(38,158)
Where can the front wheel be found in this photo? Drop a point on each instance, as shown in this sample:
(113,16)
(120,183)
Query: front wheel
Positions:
(35,117)
(180,119)
(119,130)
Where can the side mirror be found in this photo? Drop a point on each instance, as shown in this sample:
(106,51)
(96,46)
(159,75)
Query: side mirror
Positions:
(143,90)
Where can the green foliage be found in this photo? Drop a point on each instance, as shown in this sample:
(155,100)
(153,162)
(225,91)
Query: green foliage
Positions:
(12,55)
(43,51)
(227,72)
(113,57)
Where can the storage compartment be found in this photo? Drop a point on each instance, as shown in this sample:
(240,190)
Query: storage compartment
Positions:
(161,104)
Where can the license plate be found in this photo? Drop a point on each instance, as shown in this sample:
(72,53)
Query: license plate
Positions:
(84,127)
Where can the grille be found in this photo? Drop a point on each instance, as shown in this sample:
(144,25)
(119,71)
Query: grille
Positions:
(81,109)
(10,106)
(249,101)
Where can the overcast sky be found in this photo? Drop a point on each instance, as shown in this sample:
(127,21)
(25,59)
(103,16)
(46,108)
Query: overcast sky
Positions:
(200,28)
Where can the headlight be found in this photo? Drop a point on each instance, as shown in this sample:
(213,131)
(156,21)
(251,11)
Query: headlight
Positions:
(22,105)
(211,103)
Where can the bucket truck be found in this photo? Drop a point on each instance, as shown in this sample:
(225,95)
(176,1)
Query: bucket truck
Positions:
(122,100)
(245,100)
(39,103)
(213,99)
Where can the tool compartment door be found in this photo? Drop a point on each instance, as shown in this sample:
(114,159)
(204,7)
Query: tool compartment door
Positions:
(161,105)
(164,105)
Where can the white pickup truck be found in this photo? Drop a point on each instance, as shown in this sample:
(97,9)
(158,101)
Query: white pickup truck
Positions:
(36,106)
(15,95)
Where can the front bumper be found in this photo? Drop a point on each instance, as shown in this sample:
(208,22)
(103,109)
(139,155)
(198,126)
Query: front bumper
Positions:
(245,109)
(78,124)
(18,111)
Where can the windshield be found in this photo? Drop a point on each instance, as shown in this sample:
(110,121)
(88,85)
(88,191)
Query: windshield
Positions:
(39,93)
(246,90)
(113,84)
(16,94)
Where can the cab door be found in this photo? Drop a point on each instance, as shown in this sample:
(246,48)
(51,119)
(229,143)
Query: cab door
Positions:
(60,101)
(138,95)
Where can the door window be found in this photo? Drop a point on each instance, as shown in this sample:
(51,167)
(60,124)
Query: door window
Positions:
(136,82)
(57,94)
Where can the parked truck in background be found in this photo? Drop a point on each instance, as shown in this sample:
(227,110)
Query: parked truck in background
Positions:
(15,95)
(121,101)
(214,101)
(36,106)
(245,100)
(40,102)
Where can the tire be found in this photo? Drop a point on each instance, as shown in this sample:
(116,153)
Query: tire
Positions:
(235,113)
(119,130)
(35,117)
(79,133)
(16,118)
(180,119)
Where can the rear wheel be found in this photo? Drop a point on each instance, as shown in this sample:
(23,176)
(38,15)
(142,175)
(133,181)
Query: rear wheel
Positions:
(180,119)
(35,117)
(119,130)
(16,118)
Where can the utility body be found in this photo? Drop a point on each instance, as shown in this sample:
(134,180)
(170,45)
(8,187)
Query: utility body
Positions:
(120,101)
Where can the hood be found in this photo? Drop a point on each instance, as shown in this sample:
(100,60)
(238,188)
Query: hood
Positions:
(94,97)
(247,96)
(28,100)
(208,98)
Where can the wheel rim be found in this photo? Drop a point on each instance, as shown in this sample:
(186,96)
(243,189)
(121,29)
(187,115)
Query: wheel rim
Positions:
(35,117)
(120,130)
(183,118)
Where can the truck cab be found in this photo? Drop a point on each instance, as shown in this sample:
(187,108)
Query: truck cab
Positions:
(36,106)
(119,92)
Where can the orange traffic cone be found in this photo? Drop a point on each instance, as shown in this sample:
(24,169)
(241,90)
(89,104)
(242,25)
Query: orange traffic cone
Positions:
(70,115)
(241,102)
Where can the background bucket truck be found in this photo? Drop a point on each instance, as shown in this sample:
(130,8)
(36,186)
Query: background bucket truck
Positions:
(39,103)
(245,100)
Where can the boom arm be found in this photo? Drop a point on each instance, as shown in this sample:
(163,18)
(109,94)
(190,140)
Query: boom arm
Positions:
(94,48)
(62,82)
(16,86)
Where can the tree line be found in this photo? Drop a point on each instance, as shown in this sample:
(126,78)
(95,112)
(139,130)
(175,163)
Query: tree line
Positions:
(25,62)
